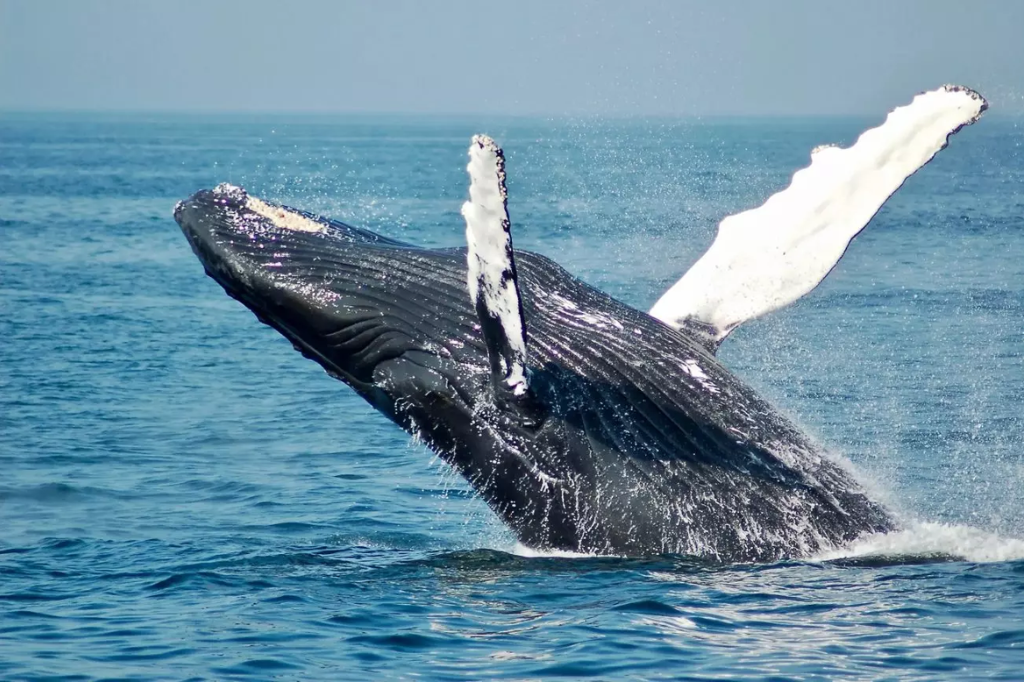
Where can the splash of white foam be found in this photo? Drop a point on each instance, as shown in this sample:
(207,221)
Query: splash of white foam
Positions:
(919,539)
(528,552)
(927,539)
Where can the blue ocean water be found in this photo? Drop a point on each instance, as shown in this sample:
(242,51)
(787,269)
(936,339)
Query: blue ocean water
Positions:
(182,496)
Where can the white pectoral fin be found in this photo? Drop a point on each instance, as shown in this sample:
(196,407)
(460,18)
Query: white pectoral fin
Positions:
(768,257)
(492,280)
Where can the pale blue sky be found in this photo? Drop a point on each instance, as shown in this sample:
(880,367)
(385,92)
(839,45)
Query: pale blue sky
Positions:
(514,57)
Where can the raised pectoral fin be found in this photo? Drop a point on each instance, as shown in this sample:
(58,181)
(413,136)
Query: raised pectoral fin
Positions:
(768,257)
(493,285)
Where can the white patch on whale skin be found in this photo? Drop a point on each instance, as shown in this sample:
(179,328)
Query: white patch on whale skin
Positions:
(489,259)
(594,318)
(282,217)
(278,216)
(563,302)
(767,257)
(600,320)
(691,367)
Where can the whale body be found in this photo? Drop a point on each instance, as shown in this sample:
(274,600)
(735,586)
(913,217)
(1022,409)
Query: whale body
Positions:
(585,424)
(635,440)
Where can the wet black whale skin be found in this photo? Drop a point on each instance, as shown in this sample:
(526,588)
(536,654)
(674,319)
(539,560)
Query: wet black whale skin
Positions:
(633,439)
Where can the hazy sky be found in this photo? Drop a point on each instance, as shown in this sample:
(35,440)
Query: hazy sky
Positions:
(515,57)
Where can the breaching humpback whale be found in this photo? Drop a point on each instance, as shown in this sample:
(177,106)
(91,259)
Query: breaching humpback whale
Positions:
(585,424)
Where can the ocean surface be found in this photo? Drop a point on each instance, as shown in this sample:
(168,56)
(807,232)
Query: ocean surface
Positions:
(183,496)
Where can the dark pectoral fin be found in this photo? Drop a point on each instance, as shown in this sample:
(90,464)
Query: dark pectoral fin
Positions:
(492,281)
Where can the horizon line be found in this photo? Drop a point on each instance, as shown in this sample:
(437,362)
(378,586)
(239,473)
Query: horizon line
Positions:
(431,114)
(315,113)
